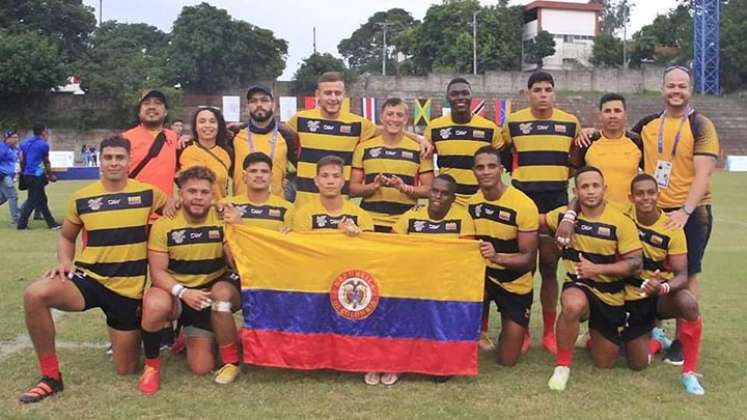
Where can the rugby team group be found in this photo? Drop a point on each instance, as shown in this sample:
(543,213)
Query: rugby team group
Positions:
(631,237)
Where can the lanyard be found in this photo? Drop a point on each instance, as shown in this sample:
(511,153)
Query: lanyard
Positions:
(677,136)
(273,145)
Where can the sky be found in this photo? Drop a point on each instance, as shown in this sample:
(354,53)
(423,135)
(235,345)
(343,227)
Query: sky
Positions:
(294,20)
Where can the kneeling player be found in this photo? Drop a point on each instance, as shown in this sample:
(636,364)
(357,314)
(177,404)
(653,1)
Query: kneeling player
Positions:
(186,259)
(604,251)
(506,222)
(109,273)
(663,292)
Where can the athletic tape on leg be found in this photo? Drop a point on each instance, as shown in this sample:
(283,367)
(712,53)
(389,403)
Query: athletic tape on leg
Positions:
(221,306)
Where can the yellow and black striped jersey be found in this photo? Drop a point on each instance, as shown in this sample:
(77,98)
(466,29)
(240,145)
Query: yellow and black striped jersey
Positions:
(195,249)
(313,216)
(375,157)
(456,224)
(500,222)
(115,229)
(274,214)
(603,240)
(456,145)
(319,137)
(540,149)
(658,244)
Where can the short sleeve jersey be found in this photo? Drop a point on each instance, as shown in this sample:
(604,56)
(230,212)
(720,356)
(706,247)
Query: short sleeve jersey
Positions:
(500,222)
(313,216)
(417,222)
(265,141)
(195,249)
(375,157)
(35,150)
(216,159)
(160,171)
(319,137)
(659,243)
(456,145)
(698,137)
(603,240)
(115,227)
(274,214)
(540,149)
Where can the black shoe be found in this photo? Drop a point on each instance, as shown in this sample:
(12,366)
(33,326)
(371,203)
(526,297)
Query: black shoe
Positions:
(440,379)
(674,356)
(46,387)
(56,226)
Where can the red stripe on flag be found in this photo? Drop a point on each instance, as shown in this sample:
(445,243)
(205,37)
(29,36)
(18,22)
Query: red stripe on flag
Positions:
(309,102)
(359,354)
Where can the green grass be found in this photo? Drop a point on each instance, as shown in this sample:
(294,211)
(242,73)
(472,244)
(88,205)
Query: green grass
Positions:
(94,391)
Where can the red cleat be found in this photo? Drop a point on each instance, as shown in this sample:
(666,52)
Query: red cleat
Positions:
(549,343)
(150,382)
(527,343)
(179,344)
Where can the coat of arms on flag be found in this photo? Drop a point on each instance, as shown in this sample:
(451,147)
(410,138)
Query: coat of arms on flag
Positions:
(421,112)
(477,106)
(369,108)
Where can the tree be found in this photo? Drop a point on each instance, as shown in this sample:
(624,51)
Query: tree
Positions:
(607,51)
(733,45)
(363,49)
(615,15)
(541,46)
(211,51)
(672,34)
(305,79)
(499,37)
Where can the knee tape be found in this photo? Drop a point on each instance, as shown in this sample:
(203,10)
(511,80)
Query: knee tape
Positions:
(221,306)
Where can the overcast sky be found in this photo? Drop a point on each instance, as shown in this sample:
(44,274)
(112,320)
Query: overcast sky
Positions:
(294,20)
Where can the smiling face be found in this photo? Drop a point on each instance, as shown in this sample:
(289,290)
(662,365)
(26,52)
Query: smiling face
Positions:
(206,125)
(394,118)
(152,112)
(459,96)
(644,195)
(330,96)
(487,170)
(590,189)
(115,163)
(677,89)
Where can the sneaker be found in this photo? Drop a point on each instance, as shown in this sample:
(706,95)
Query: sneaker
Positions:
(690,382)
(674,356)
(109,350)
(486,343)
(372,378)
(227,374)
(55,227)
(549,343)
(150,381)
(389,378)
(659,335)
(46,387)
(559,378)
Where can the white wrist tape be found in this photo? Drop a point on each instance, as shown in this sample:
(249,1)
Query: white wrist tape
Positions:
(177,289)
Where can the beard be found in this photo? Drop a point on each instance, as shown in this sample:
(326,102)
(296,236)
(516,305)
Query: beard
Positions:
(261,118)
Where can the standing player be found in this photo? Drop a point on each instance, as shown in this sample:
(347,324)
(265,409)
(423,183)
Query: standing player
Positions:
(388,171)
(209,148)
(109,273)
(506,222)
(604,251)
(680,149)
(330,210)
(185,255)
(661,292)
(457,136)
(540,138)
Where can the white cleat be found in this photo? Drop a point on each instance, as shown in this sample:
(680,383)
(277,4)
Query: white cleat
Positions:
(559,378)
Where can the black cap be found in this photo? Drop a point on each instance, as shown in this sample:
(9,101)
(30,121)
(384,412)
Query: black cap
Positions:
(153,93)
(259,87)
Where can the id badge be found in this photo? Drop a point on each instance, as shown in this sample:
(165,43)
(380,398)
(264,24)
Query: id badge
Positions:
(663,173)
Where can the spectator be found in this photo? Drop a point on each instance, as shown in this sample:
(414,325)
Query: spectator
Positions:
(9,153)
(36,173)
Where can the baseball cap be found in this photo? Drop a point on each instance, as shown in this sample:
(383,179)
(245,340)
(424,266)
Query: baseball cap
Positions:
(153,93)
(259,87)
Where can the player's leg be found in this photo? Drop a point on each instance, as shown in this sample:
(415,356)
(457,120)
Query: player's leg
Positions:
(38,300)
(637,352)
(637,333)
(548,266)
(515,310)
(125,350)
(606,322)
(604,351)
(574,308)
(684,306)
(509,342)
(200,357)
(226,300)
(158,307)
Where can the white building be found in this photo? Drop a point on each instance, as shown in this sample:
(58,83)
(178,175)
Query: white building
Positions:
(573,24)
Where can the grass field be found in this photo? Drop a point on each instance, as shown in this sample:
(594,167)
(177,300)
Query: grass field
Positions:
(93,390)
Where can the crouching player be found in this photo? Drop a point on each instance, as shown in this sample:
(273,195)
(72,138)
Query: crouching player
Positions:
(186,259)
(661,291)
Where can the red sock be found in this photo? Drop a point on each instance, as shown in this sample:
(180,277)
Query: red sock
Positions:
(564,357)
(653,346)
(548,318)
(49,366)
(690,332)
(154,363)
(230,353)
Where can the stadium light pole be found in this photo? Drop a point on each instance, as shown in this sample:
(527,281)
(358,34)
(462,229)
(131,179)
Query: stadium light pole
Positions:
(384,26)
(101,11)
(474,43)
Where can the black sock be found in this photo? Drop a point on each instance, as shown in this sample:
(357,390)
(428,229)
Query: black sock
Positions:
(151,343)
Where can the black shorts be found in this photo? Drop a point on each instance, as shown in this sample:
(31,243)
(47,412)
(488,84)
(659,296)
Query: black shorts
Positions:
(122,313)
(697,232)
(190,317)
(510,305)
(606,319)
(640,316)
(548,200)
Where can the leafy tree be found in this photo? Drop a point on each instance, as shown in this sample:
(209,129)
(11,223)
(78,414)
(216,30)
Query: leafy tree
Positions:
(607,50)
(305,79)
(541,46)
(672,34)
(733,45)
(615,14)
(211,51)
(499,31)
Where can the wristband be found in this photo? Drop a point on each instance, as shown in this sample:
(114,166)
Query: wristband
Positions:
(687,211)
(182,292)
(176,290)
(569,216)
(664,288)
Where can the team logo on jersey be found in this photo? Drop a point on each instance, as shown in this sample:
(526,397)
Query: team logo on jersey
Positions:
(242,210)
(419,225)
(408,155)
(489,211)
(445,133)
(478,134)
(504,215)
(134,201)
(478,210)
(321,220)
(214,234)
(559,128)
(313,126)
(178,236)
(451,226)
(375,152)
(657,240)
(525,128)
(354,295)
(603,231)
(95,203)
(346,129)
(274,213)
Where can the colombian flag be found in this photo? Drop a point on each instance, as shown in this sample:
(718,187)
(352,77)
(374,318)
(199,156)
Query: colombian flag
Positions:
(376,302)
